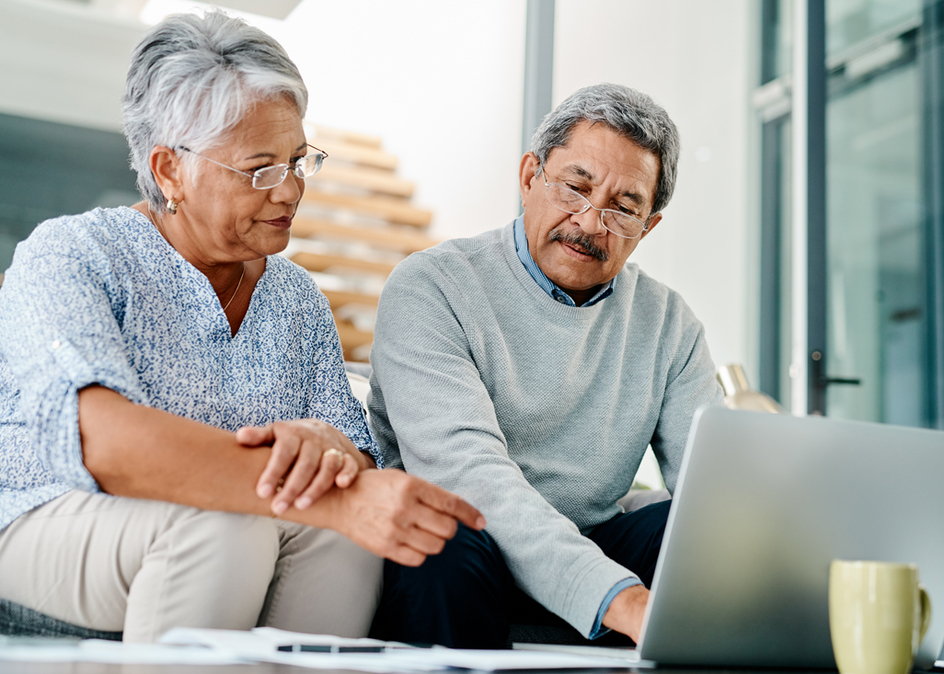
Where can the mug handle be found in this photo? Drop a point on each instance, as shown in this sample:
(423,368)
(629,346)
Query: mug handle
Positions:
(925,611)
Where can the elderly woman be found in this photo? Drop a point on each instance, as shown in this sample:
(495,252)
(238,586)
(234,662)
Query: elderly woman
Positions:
(179,445)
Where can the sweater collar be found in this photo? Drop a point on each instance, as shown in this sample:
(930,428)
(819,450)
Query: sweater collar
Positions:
(546,284)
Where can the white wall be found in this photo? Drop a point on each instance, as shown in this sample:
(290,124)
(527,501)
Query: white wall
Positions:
(441,82)
(694,58)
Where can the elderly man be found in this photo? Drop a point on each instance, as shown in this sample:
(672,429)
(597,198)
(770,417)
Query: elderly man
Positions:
(527,369)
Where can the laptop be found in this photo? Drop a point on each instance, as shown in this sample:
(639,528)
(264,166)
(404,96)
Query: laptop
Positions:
(763,503)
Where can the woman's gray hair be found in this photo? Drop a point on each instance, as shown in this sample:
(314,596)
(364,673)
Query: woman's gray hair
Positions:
(192,79)
(626,111)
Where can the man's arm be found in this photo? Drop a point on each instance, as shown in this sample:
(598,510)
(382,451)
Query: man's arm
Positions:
(627,610)
(691,383)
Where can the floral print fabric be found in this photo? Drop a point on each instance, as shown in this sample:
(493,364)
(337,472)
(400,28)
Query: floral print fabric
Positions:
(102,298)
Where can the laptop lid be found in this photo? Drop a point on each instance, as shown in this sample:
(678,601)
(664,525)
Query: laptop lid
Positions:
(764,502)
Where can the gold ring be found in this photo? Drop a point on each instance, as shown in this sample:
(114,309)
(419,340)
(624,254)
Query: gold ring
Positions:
(337,453)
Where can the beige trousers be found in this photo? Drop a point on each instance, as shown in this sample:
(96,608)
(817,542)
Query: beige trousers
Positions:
(142,567)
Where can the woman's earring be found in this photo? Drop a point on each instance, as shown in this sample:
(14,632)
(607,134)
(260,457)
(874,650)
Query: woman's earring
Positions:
(172,206)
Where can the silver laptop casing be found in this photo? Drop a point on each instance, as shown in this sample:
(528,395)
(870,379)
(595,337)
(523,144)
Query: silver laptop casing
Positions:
(763,503)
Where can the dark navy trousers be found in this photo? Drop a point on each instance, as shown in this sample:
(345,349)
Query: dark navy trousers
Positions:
(465,597)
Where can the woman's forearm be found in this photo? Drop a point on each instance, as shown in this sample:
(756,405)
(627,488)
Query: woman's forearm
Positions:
(141,452)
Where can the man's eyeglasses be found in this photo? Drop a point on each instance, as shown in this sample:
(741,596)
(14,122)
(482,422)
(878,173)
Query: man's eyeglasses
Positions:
(273,176)
(567,200)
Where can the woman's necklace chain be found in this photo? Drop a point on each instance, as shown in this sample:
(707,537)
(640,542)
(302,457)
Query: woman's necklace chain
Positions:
(241,274)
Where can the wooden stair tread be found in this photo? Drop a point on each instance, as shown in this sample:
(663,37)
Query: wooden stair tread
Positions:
(344,136)
(322,261)
(404,241)
(356,154)
(390,209)
(338,298)
(364,178)
(351,337)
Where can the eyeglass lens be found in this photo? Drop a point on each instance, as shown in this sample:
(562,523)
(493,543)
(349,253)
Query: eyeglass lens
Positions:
(575,203)
(272,176)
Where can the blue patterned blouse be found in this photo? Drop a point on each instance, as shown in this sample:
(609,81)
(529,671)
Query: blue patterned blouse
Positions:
(102,298)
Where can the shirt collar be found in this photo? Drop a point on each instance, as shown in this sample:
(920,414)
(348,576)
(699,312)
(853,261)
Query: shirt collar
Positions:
(548,286)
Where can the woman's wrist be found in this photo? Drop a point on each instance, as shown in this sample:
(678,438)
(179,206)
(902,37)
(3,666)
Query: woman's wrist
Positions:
(365,461)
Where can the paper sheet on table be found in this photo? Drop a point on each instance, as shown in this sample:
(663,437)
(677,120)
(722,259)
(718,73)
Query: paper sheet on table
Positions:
(110,652)
(364,662)
(439,659)
(260,639)
(261,644)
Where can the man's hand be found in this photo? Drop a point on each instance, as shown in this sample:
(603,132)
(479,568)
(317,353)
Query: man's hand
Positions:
(401,517)
(302,461)
(627,610)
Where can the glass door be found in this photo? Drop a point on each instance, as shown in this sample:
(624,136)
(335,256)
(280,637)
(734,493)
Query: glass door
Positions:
(876,314)
(874,251)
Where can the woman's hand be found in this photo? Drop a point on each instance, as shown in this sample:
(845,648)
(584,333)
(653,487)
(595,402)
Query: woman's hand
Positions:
(308,457)
(401,517)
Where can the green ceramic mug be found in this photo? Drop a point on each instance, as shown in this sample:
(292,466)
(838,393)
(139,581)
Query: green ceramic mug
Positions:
(878,614)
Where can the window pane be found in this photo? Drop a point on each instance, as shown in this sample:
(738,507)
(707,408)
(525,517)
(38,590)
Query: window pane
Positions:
(849,22)
(876,266)
(777,31)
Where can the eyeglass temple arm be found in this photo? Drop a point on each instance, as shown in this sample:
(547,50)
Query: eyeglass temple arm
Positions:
(213,161)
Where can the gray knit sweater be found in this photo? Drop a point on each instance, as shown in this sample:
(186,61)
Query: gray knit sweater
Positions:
(536,413)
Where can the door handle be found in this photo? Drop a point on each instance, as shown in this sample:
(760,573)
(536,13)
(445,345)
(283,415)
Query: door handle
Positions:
(823,380)
(850,381)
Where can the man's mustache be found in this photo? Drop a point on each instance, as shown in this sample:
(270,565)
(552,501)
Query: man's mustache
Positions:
(580,241)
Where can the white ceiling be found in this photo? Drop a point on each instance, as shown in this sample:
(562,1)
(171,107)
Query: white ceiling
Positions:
(276,9)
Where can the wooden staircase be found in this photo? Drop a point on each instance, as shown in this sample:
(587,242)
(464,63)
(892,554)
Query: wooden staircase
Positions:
(354,224)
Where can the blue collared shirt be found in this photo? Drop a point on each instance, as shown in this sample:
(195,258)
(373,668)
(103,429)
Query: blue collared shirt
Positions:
(546,284)
(551,288)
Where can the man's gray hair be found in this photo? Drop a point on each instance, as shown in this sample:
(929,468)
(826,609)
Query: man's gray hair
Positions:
(626,111)
(192,79)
